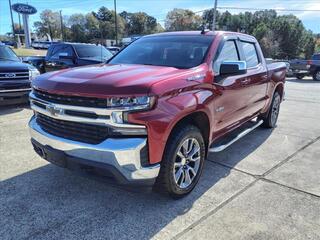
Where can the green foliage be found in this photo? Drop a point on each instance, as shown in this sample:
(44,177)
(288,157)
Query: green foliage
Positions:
(282,37)
(49,24)
(95,26)
(182,20)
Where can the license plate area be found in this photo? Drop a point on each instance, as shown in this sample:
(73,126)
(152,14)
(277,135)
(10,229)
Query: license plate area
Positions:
(51,155)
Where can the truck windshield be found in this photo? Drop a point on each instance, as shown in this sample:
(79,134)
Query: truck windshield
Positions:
(93,51)
(172,51)
(6,54)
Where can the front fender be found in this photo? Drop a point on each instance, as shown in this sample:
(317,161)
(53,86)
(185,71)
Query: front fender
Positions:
(169,111)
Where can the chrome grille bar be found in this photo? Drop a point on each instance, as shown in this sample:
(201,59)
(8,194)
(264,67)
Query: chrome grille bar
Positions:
(60,112)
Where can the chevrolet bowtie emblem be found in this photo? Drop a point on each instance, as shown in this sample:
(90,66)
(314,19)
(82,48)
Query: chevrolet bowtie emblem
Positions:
(53,110)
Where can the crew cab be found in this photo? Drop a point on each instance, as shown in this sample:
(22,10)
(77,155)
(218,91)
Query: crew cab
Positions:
(152,114)
(68,55)
(15,77)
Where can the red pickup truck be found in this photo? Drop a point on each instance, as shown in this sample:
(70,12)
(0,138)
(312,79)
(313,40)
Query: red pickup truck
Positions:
(154,111)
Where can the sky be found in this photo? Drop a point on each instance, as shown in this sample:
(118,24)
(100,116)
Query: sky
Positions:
(159,8)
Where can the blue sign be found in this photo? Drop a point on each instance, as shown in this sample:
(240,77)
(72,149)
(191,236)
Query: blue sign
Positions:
(24,8)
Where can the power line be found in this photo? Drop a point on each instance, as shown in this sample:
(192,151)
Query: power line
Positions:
(276,9)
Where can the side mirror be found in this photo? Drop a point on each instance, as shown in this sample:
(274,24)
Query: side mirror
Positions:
(233,68)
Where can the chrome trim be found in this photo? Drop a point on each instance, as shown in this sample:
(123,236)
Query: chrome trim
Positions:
(122,153)
(61,115)
(13,75)
(16,90)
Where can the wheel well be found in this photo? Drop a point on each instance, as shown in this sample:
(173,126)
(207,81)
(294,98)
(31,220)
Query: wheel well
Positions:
(198,119)
(279,89)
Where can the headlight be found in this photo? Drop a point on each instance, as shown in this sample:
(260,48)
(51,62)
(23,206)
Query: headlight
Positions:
(126,105)
(132,103)
(33,73)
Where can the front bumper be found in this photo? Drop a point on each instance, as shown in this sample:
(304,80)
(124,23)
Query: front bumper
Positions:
(121,157)
(14,96)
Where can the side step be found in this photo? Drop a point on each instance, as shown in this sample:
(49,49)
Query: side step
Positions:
(223,146)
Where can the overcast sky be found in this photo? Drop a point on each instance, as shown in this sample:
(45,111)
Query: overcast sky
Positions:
(159,8)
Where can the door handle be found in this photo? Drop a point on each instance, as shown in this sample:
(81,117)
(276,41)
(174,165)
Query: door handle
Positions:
(245,81)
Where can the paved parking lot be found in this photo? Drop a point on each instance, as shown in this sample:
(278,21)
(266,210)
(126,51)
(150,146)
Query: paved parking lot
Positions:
(266,186)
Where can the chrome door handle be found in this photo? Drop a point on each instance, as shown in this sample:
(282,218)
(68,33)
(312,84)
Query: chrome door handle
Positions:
(245,81)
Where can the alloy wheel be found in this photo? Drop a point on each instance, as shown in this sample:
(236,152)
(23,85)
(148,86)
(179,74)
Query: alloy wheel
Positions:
(275,109)
(187,162)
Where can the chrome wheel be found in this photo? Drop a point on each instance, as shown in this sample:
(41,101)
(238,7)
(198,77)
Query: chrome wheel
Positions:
(187,162)
(275,109)
(318,76)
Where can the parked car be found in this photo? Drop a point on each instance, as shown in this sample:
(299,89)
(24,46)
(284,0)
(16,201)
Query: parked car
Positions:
(114,50)
(151,115)
(15,77)
(302,68)
(67,55)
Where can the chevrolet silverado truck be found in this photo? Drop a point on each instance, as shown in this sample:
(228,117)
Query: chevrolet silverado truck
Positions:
(15,77)
(68,55)
(152,114)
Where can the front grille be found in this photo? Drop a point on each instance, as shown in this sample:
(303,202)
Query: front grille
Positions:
(81,132)
(8,76)
(71,100)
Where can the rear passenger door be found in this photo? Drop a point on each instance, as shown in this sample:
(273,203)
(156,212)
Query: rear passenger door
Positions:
(256,78)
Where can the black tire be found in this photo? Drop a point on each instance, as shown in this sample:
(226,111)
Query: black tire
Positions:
(298,76)
(316,75)
(270,119)
(166,182)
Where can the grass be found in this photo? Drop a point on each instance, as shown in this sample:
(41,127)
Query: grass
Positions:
(22,52)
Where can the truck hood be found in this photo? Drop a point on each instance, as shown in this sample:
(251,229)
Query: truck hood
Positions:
(13,66)
(105,80)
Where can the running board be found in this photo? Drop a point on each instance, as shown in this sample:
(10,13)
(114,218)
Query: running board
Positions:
(240,135)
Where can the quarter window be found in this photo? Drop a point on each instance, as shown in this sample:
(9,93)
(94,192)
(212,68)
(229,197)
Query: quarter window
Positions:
(228,53)
(250,54)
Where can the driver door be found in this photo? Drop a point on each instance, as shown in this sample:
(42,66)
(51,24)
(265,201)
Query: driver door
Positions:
(230,102)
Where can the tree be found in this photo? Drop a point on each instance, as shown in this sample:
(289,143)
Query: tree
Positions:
(139,23)
(282,37)
(182,20)
(77,24)
(49,24)
(309,44)
(106,19)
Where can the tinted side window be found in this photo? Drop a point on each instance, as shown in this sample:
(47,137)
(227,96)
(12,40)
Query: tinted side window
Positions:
(228,52)
(61,51)
(250,54)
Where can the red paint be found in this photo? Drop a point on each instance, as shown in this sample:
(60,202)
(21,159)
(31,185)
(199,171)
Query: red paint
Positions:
(176,96)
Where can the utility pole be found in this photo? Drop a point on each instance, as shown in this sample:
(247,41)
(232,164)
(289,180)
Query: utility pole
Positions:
(14,35)
(115,20)
(20,28)
(61,24)
(214,15)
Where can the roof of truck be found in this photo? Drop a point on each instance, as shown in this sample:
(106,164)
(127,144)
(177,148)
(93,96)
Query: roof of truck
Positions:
(200,33)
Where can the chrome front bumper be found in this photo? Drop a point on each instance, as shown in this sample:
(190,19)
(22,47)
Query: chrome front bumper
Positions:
(123,154)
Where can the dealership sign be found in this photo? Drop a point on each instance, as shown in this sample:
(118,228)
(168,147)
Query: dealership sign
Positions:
(24,9)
